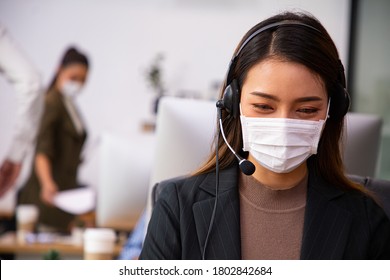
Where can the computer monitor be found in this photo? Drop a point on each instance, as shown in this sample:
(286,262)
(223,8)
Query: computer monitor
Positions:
(185,131)
(123,180)
(362,139)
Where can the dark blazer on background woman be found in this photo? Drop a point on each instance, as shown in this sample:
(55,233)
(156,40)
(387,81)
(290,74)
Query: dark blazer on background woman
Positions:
(336,225)
(59,140)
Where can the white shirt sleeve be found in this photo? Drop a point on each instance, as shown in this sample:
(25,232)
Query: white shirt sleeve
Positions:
(27,84)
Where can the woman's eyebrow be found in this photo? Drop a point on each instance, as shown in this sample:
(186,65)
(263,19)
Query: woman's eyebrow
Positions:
(265,95)
(309,98)
(275,98)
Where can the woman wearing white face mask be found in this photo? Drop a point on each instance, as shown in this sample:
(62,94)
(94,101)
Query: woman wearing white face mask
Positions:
(59,143)
(281,110)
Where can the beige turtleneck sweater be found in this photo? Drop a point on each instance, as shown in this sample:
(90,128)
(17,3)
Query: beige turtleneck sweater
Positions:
(271,220)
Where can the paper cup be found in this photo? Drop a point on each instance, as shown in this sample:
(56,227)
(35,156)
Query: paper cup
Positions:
(77,235)
(99,244)
(26,219)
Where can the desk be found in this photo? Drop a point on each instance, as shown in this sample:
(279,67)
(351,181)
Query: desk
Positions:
(9,245)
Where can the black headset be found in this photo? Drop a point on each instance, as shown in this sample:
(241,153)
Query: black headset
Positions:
(340,99)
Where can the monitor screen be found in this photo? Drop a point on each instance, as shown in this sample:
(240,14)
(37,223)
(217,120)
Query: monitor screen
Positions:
(185,131)
(123,180)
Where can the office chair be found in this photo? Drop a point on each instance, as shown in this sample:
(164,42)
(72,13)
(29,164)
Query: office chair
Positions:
(361,146)
(379,187)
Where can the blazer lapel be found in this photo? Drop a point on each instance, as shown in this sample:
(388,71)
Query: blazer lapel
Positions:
(327,226)
(224,239)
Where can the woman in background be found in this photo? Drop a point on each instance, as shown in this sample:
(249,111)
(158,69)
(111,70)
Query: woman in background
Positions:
(59,143)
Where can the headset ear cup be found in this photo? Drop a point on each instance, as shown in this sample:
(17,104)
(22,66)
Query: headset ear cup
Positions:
(347,102)
(231,99)
(339,104)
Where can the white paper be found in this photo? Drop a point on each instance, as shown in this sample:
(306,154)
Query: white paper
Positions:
(77,201)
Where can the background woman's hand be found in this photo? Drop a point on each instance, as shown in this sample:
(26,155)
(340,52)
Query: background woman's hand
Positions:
(49,190)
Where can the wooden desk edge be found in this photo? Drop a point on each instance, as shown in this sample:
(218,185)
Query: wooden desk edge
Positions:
(9,244)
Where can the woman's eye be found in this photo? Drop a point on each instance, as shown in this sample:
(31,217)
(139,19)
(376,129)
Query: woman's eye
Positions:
(263,107)
(308,110)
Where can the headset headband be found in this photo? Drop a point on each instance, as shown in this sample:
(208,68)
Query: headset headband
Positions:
(254,34)
(271,25)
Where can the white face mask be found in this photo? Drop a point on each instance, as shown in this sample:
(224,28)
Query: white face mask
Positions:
(279,144)
(71,88)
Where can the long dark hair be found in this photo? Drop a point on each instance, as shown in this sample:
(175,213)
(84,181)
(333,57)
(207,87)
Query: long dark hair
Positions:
(71,56)
(293,43)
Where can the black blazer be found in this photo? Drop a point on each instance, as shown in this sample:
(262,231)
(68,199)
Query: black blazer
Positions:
(337,224)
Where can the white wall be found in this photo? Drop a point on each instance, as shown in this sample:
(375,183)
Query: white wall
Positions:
(122,37)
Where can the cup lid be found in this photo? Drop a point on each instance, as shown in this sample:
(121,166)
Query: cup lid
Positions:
(26,212)
(99,233)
